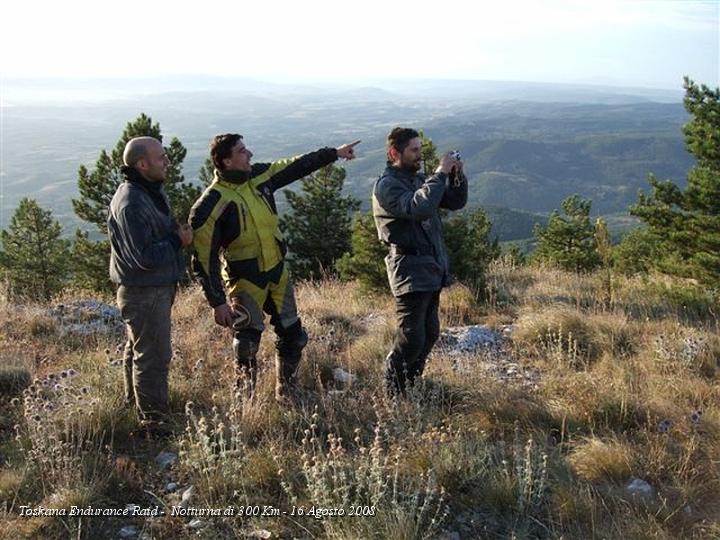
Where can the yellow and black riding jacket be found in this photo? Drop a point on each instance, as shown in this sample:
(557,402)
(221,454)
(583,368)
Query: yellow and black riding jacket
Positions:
(236,217)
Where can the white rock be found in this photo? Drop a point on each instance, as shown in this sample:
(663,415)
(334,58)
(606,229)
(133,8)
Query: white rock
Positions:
(469,339)
(172,486)
(87,317)
(166,459)
(186,497)
(640,487)
(195,524)
(128,531)
(342,376)
(260,533)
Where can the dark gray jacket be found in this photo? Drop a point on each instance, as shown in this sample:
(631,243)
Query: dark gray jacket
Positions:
(405,208)
(145,250)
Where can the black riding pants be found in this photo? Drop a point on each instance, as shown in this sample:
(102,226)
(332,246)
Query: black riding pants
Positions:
(418,330)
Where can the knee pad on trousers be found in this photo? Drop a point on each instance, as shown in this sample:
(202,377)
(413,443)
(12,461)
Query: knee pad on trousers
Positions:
(291,341)
(245,347)
(410,342)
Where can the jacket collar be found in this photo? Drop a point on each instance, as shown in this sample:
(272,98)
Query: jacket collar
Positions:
(232,177)
(391,170)
(131,174)
(154,189)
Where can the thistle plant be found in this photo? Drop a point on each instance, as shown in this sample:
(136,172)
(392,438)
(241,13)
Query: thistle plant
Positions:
(562,349)
(367,476)
(60,438)
(213,450)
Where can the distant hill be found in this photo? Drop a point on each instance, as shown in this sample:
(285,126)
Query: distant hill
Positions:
(510,225)
(521,154)
(532,156)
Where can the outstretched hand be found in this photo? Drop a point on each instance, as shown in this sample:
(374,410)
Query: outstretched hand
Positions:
(347,151)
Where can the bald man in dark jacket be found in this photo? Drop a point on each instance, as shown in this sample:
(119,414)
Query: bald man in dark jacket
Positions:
(146,262)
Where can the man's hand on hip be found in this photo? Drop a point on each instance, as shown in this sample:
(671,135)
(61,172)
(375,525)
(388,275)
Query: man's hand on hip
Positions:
(224,315)
(185,233)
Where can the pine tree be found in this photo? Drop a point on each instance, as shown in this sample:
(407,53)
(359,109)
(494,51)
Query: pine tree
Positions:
(318,225)
(514,255)
(428,151)
(206,173)
(569,239)
(98,186)
(687,222)
(90,263)
(182,194)
(96,190)
(470,249)
(637,253)
(33,256)
(366,262)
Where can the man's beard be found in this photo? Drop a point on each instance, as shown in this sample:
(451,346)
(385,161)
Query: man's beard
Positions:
(412,166)
(157,176)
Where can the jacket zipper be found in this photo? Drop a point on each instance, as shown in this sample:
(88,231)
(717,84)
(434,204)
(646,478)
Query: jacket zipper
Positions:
(244,222)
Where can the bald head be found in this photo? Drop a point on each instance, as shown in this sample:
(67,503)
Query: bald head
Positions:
(148,157)
(138,148)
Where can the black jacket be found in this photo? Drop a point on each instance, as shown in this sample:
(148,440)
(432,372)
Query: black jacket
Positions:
(405,208)
(145,249)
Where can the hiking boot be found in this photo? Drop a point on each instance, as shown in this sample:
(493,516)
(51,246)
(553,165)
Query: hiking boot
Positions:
(157,430)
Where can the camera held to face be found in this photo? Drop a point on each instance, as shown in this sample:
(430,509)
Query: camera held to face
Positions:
(455,154)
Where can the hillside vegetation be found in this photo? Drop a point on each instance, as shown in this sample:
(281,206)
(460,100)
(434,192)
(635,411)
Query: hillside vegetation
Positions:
(521,151)
(610,428)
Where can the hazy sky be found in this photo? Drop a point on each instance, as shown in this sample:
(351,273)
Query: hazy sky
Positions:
(644,43)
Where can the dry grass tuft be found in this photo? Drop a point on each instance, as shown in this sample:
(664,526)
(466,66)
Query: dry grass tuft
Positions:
(458,306)
(595,460)
(559,336)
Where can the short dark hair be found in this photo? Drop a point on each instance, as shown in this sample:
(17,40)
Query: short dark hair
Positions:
(399,138)
(221,147)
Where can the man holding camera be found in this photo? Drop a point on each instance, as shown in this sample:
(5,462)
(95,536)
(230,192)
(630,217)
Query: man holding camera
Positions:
(146,262)
(405,207)
(236,219)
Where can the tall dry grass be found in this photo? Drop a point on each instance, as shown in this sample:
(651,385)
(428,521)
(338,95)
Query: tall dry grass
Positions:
(628,389)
